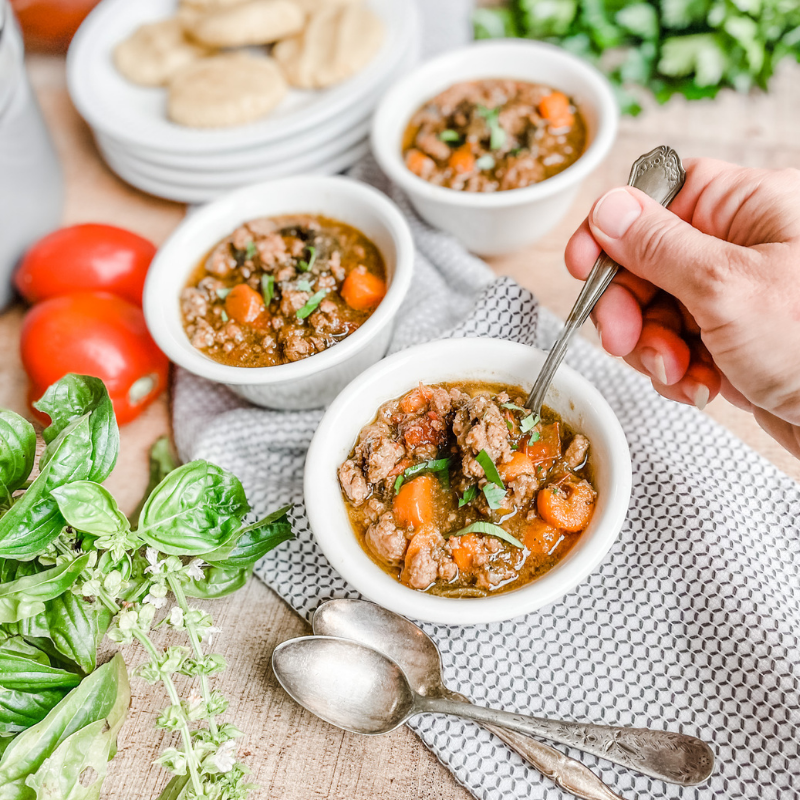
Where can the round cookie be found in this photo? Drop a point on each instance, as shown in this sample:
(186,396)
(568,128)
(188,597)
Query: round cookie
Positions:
(339,41)
(155,52)
(250,23)
(225,90)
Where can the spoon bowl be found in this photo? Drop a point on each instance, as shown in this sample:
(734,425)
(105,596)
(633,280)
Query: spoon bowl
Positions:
(345,683)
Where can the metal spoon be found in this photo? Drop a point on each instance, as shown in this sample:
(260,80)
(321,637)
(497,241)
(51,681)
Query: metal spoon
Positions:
(658,174)
(363,691)
(417,655)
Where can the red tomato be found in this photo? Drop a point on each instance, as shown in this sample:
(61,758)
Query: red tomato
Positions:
(95,258)
(99,334)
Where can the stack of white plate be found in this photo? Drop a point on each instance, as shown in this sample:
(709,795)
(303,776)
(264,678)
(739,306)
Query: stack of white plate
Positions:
(311,131)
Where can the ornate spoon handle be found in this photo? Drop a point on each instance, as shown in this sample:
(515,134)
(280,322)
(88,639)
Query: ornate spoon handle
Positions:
(564,771)
(673,757)
(658,174)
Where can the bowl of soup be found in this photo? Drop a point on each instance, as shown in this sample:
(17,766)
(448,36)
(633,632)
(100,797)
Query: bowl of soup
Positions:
(491,142)
(284,290)
(434,491)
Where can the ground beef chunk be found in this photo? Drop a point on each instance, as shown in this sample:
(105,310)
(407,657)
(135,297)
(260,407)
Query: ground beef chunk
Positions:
(575,454)
(494,575)
(353,482)
(193,304)
(423,435)
(523,489)
(262,227)
(479,425)
(326,319)
(432,145)
(428,562)
(335,266)
(203,335)
(221,261)
(374,509)
(381,456)
(295,344)
(386,540)
(241,237)
(272,250)
(292,300)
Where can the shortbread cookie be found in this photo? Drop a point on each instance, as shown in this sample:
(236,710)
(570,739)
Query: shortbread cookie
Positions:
(225,90)
(338,41)
(254,22)
(155,52)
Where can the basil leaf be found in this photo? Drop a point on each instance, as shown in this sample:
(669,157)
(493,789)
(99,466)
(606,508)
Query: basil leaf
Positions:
(161,462)
(513,407)
(251,251)
(449,135)
(268,288)
(489,469)
(497,134)
(469,495)
(398,483)
(312,304)
(194,510)
(25,673)
(26,596)
(434,465)
(102,696)
(256,540)
(305,266)
(304,286)
(485,162)
(529,422)
(71,398)
(490,530)
(218,582)
(177,789)
(535,436)
(494,496)
(89,507)
(20,710)
(17,451)
(35,520)
(224,292)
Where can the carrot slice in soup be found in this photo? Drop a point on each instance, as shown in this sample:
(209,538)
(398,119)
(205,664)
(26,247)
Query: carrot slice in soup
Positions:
(567,505)
(462,160)
(555,109)
(363,290)
(519,464)
(464,549)
(243,304)
(413,505)
(419,163)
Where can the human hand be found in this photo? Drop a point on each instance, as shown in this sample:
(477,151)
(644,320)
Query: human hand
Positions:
(708,299)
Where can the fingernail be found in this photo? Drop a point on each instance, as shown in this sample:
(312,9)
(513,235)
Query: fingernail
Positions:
(700,396)
(653,362)
(615,212)
(599,333)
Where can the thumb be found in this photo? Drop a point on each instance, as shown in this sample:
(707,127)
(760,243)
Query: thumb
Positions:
(657,245)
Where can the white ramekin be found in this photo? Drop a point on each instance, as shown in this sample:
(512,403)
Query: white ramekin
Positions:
(314,381)
(493,223)
(571,395)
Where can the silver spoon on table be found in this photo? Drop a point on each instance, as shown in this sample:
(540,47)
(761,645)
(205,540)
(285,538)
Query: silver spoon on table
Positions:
(658,174)
(363,691)
(417,655)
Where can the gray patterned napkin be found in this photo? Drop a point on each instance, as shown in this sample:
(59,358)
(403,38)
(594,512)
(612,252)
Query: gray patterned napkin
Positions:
(691,622)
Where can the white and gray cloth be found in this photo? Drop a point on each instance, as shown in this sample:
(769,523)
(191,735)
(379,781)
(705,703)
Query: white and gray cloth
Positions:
(691,622)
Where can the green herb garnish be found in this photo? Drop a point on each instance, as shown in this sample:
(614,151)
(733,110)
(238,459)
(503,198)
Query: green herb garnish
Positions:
(224,316)
(494,495)
(304,286)
(251,251)
(485,162)
(529,422)
(489,529)
(312,304)
(513,407)
(497,134)
(305,266)
(398,482)
(224,292)
(449,135)
(268,288)
(434,465)
(469,495)
(485,460)
(535,436)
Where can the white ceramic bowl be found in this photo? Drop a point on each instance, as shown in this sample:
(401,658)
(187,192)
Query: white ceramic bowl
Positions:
(497,222)
(314,381)
(572,396)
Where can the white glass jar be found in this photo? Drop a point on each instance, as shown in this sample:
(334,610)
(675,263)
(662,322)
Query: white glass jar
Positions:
(31,183)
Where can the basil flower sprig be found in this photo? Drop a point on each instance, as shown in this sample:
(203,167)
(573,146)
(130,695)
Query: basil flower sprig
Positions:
(74,568)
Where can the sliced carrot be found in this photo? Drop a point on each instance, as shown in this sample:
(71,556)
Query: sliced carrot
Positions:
(243,304)
(401,466)
(567,505)
(425,539)
(363,290)
(413,504)
(462,160)
(519,464)
(464,550)
(546,449)
(419,163)
(555,109)
(415,400)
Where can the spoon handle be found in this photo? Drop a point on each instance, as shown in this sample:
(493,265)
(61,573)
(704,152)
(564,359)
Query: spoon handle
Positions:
(672,757)
(566,772)
(658,174)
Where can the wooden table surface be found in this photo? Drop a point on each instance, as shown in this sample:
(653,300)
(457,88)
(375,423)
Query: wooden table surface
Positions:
(292,754)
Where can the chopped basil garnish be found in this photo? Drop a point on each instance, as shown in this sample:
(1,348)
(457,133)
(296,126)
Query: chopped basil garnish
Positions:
(305,266)
(469,495)
(513,407)
(224,316)
(398,482)
(312,304)
(509,425)
(494,495)
(434,465)
(268,288)
(535,436)
(223,293)
(251,250)
(485,460)
(304,286)
(496,131)
(529,422)
(485,162)
(449,136)
(489,529)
